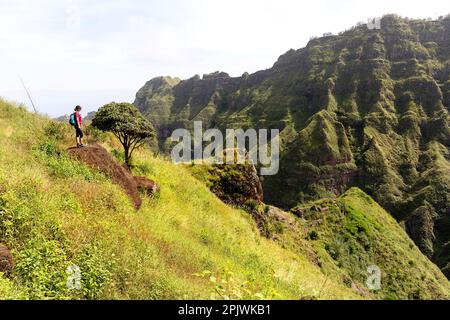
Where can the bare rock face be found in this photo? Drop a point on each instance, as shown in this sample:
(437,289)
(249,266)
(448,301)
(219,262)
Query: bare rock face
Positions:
(6,260)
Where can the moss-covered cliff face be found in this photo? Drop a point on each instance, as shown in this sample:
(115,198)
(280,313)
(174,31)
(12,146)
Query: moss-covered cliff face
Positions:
(366,108)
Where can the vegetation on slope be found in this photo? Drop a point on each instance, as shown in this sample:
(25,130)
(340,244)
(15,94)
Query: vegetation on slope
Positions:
(354,231)
(185,243)
(343,237)
(56,212)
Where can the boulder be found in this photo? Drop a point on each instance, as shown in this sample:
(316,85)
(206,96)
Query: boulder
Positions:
(6,260)
(147,186)
(98,158)
(236,184)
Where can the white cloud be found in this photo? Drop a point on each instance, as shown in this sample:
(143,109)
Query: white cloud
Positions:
(118,44)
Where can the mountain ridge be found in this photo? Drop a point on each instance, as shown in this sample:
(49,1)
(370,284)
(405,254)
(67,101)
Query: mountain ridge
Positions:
(366,108)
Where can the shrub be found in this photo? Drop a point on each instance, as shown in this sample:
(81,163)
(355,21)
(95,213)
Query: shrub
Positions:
(56,130)
(313,235)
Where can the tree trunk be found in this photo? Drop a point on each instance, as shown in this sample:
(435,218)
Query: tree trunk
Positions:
(127,155)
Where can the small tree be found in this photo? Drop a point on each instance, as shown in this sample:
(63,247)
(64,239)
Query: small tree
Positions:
(126,122)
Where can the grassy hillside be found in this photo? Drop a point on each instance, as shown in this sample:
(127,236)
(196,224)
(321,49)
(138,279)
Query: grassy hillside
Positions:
(354,231)
(185,243)
(343,236)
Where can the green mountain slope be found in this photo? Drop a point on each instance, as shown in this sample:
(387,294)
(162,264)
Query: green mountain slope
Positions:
(366,108)
(356,232)
(56,212)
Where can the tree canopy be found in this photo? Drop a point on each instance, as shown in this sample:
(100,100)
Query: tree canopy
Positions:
(126,122)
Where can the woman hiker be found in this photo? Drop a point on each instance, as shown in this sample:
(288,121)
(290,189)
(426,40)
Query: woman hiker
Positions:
(77,121)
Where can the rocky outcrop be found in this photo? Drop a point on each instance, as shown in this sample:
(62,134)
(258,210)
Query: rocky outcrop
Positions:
(6,260)
(147,186)
(234,184)
(99,158)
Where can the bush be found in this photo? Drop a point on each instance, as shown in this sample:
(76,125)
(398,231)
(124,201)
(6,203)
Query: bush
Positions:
(313,235)
(251,205)
(56,130)
(41,265)
(95,134)
(95,272)
(8,290)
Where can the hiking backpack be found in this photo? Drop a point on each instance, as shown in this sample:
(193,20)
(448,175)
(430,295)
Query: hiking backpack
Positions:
(72,120)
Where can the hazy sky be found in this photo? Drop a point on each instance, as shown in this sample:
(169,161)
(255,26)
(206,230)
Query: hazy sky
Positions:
(93,52)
